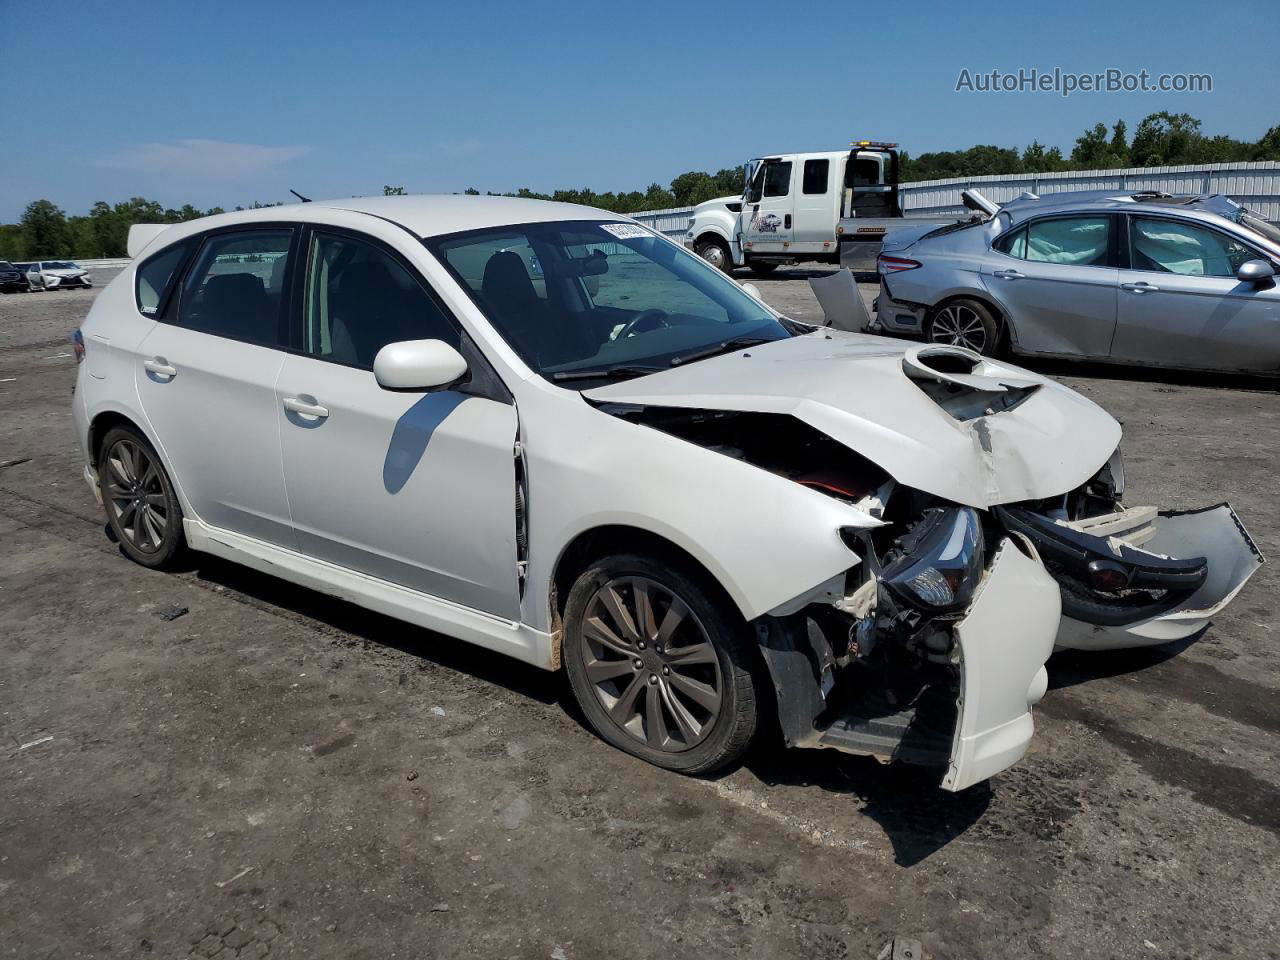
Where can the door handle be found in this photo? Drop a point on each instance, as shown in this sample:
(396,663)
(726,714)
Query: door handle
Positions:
(787,221)
(1007,275)
(1140,287)
(160,367)
(300,406)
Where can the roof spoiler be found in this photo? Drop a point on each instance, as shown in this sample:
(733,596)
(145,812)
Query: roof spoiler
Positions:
(141,235)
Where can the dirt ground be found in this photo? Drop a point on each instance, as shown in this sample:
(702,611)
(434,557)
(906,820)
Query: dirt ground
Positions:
(275,773)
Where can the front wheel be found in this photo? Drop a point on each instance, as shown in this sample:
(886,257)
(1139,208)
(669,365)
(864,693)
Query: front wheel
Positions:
(660,664)
(964,323)
(142,508)
(716,253)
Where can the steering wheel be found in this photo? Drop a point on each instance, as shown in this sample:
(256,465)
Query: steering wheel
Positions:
(633,324)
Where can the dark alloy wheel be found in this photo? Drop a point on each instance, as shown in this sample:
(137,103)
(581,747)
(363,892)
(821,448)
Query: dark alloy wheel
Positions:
(964,323)
(141,506)
(658,666)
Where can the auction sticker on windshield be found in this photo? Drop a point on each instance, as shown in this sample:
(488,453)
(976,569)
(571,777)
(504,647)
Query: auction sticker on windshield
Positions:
(626,231)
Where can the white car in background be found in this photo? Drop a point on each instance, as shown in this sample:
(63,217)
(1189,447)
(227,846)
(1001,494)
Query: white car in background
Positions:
(57,275)
(623,464)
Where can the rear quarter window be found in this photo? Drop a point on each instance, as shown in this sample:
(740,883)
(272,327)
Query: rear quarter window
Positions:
(155,277)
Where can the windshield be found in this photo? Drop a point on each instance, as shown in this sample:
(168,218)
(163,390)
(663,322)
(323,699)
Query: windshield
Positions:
(586,301)
(59,265)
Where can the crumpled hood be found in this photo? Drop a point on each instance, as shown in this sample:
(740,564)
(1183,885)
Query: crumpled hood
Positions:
(860,391)
(66,274)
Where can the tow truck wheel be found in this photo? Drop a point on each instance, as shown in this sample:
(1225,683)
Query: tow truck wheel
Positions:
(660,663)
(716,253)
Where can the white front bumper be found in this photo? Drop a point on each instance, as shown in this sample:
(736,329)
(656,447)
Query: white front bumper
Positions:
(1005,638)
(1215,533)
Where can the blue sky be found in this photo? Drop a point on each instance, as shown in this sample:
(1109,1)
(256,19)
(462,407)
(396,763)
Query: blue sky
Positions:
(230,102)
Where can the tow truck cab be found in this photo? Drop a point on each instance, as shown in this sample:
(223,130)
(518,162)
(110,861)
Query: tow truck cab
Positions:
(800,206)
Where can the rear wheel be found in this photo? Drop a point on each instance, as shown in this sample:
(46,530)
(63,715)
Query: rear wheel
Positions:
(141,505)
(964,323)
(716,253)
(660,664)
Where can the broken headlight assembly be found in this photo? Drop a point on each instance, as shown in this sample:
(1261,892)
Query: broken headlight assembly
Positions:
(938,564)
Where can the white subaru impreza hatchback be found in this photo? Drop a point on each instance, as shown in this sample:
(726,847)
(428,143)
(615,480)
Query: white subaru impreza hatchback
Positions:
(546,430)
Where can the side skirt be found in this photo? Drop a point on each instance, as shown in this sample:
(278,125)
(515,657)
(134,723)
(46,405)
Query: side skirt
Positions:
(492,633)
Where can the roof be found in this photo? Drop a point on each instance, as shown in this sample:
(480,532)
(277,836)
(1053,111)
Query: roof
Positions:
(1133,201)
(429,215)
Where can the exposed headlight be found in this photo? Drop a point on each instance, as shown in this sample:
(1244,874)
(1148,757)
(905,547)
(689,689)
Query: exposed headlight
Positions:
(941,562)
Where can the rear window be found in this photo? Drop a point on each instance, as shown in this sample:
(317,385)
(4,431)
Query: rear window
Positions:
(155,276)
(815,175)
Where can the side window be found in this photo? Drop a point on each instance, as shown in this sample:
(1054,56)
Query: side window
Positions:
(1078,241)
(777,179)
(1169,247)
(236,287)
(154,276)
(1013,244)
(815,175)
(359,299)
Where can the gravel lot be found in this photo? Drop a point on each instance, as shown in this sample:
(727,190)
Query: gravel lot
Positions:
(279,773)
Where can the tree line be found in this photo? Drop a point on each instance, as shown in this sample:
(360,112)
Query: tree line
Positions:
(1161,139)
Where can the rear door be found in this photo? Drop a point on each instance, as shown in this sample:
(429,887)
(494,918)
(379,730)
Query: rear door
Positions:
(1181,304)
(1056,279)
(814,226)
(417,488)
(769,207)
(206,378)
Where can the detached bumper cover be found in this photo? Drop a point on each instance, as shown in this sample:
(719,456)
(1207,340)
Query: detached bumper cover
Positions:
(1005,639)
(1230,558)
(1002,642)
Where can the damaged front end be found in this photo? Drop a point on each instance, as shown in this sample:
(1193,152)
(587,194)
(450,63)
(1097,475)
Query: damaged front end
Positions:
(1134,576)
(934,656)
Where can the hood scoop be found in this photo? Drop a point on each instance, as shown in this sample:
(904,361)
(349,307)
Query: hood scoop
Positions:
(964,383)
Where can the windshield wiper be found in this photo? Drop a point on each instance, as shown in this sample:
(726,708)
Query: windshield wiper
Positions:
(724,346)
(621,372)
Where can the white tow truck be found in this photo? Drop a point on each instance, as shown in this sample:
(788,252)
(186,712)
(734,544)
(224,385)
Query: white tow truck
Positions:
(832,207)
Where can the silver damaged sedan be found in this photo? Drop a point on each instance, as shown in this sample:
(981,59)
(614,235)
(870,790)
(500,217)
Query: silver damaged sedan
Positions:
(1142,278)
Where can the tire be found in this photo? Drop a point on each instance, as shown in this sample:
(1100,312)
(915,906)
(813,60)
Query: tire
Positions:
(964,323)
(702,684)
(142,508)
(761,268)
(716,253)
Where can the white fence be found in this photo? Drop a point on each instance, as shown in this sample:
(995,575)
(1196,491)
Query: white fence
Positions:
(1256,185)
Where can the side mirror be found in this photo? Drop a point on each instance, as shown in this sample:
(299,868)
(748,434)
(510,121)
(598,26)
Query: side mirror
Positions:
(1255,271)
(752,289)
(418,365)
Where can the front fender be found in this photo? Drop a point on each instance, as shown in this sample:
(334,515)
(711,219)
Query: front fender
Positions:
(766,539)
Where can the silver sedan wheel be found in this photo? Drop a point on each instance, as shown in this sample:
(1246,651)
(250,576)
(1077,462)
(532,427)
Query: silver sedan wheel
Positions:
(959,326)
(651,664)
(136,495)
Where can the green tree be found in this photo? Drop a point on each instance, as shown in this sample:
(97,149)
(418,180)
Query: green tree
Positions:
(389,191)
(44,228)
(1166,138)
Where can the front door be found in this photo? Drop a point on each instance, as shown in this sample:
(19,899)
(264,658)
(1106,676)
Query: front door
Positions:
(1181,304)
(1056,280)
(206,378)
(768,208)
(416,488)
